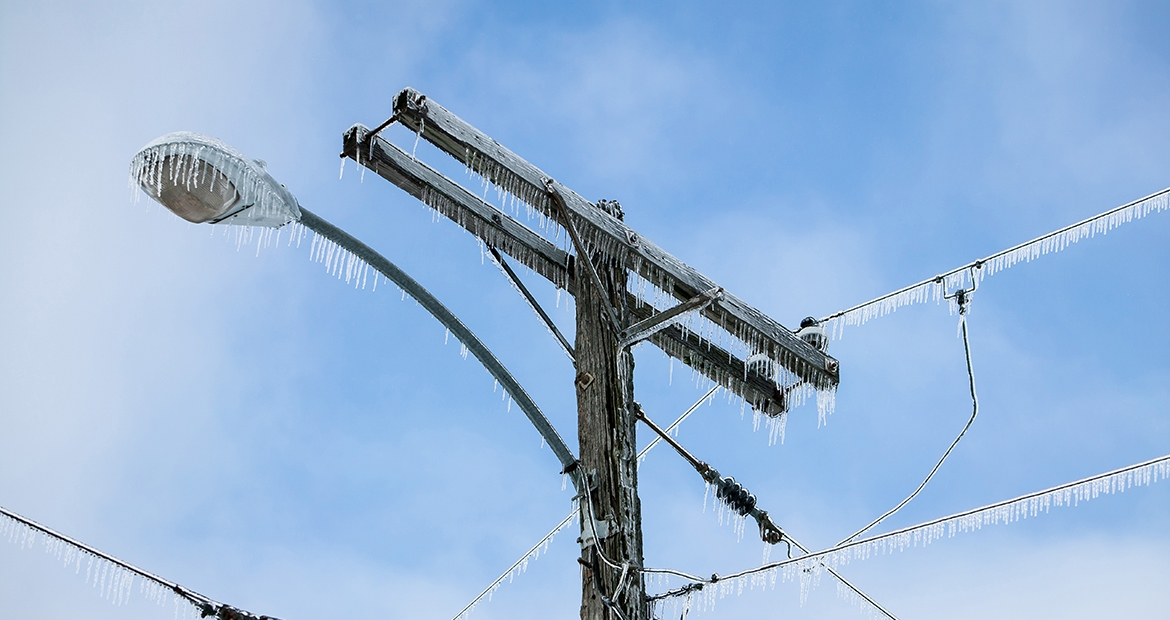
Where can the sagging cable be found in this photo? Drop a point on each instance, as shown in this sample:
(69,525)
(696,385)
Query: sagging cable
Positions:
(962,298)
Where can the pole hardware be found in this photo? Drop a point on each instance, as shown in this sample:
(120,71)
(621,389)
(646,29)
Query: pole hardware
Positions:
(658,322)
(509,236)
(583,254)
(519,284)
(737,497)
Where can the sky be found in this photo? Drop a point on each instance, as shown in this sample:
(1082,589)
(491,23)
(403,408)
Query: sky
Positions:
(247,426)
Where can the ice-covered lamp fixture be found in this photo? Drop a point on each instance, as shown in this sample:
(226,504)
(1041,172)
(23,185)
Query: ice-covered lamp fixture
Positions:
(201,179)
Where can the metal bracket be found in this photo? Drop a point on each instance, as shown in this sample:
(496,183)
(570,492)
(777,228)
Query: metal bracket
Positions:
(644,329)
(600,528)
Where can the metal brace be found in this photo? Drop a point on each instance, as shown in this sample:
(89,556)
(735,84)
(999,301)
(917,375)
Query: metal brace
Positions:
(559,201)
(644,329)
(519,284)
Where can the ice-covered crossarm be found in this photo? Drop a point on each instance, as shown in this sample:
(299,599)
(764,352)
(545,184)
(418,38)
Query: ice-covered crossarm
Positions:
(202,179)
(754,382)
(729,322)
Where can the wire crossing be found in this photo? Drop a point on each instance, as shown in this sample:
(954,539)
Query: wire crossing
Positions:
(808,568)
(519,566)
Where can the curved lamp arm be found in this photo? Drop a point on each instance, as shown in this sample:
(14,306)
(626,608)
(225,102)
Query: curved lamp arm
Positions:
(477,348)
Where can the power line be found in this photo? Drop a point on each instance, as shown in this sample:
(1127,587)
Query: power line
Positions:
(933,289)
(114,577)
(964,301)
(1004,512)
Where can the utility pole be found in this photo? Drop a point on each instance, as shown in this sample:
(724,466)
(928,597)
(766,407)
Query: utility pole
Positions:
(734,344)
(605,428)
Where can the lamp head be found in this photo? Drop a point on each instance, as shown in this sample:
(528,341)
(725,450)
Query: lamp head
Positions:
(201,179)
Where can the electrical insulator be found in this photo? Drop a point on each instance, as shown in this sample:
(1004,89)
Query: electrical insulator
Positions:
(811,332)
(737,497)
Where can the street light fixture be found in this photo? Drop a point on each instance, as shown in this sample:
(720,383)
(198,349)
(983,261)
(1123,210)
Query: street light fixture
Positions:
(202,179)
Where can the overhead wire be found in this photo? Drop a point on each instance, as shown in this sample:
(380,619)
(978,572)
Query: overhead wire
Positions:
(205,605)
(1006,511)
(574,513)
(963,298)
(1055,241)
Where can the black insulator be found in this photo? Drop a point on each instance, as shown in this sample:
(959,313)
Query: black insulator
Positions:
(809,322)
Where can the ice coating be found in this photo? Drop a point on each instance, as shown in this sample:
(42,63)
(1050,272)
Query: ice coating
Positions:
(973,273)
(609,241)
(111,581)
(194,161)
(808,569)
(519,567)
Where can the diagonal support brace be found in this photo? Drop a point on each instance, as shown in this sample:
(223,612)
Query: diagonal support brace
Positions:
(582,255)
(644,329)
(544,317)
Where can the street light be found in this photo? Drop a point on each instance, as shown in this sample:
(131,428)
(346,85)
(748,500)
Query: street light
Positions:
(202,179)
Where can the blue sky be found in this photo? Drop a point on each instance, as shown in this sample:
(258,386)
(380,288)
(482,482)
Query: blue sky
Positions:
(255,430)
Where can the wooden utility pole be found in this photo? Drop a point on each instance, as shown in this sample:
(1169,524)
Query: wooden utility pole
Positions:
(737,346)
(608,457)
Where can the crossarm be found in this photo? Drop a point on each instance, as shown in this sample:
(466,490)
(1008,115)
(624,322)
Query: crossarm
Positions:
(607,234)
(500,230)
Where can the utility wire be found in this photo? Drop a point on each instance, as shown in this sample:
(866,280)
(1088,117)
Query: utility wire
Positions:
(1054,241)
(964,300)
(679,420)
(1007,511)
(769,531)
(845,582)
(206,606)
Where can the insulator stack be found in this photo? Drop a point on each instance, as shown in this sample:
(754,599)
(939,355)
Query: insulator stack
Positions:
(736,496)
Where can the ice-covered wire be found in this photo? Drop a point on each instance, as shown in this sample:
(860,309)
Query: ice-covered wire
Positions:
(118,585)
(769,532)
(845,582)
(1003,512)
(679,420)
(530,554)
(1055,241)
(964,300)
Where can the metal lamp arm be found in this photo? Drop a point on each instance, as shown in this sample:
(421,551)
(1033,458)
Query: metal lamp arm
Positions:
(448,319)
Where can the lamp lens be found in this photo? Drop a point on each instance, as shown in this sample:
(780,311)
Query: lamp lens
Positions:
(191,188)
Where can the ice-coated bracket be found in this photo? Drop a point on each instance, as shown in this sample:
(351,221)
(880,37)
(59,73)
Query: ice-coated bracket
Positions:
(644,329)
